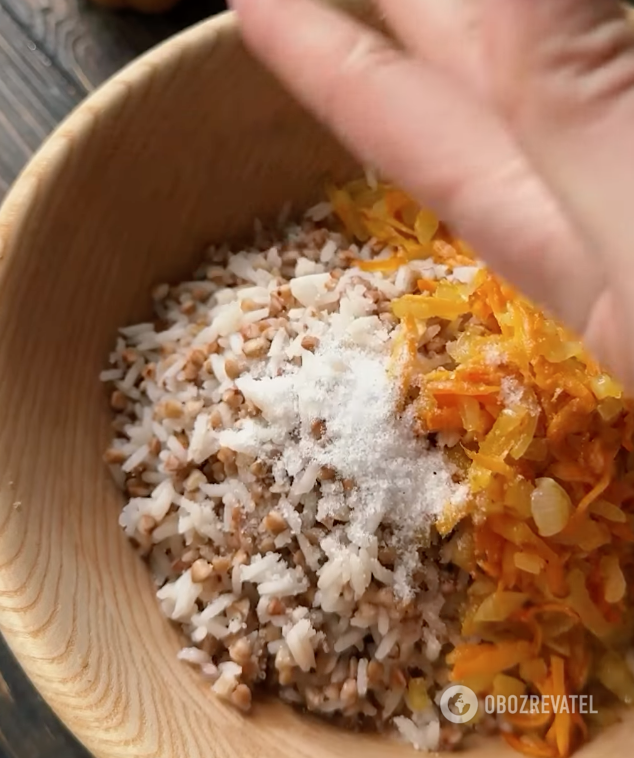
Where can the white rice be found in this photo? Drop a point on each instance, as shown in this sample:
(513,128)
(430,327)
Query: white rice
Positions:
(302,583)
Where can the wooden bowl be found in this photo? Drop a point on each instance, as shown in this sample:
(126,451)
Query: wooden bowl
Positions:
(183,148)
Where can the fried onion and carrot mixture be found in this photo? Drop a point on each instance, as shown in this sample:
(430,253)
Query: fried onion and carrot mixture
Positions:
(543,436)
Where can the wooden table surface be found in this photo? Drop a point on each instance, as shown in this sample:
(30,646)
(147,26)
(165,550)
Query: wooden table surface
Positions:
(52,54)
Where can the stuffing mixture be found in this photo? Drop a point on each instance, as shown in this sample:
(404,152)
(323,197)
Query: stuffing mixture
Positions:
(362,469)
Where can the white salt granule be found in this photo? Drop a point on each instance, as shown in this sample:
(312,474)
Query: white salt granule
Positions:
(338,409)
(511,393)
(494,356)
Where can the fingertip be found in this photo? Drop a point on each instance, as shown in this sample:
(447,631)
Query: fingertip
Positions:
(264,24)
(249,9)
(243,6)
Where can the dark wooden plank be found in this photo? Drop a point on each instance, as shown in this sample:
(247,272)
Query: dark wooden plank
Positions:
(54,51)
(34,96)
(91,43)
(28,728)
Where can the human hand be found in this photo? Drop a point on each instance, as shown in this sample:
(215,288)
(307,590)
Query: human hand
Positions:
(512,119)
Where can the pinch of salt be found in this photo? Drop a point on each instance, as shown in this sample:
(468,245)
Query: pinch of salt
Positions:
(398,479)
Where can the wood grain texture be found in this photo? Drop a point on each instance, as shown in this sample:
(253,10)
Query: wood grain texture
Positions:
(28,728)
(90,43)
(34,96)
(154,179)
(53,52)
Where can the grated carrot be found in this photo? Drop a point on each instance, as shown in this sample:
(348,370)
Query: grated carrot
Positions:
(527,403)
(529,721)
(384,265)
(491,659)
(530,745)
(563,720)
(426,285)
(596,492)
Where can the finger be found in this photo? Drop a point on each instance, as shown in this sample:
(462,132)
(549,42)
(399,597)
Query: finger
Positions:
(451,34)
(607,333)
(424,133)
(567,86)
(447,34)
